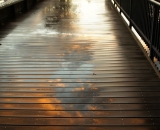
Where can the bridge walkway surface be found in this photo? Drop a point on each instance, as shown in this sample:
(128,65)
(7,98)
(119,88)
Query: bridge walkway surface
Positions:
(75,66)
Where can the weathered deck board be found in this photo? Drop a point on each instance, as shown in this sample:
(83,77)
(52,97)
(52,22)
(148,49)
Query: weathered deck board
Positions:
(85,72)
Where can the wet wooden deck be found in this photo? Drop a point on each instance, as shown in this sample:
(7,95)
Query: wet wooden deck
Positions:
(79,71)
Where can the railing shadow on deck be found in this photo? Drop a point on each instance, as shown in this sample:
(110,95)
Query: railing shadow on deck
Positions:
(143,19)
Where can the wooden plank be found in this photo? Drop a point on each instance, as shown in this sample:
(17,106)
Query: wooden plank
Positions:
(101,89)
(84,99)
(74,114)
(92,86)
(77,80)
(99,95)
(79,127)
(77,121)
(81,107)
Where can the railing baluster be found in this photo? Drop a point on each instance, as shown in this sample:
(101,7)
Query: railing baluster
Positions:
(152,34)
(25,5)
(120,6)
(130,14)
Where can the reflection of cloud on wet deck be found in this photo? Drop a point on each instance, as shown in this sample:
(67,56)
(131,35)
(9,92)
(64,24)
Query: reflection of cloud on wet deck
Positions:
(78,89)
(60,85)
(55,80)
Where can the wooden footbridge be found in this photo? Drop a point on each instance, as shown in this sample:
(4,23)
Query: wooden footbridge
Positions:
(76,65)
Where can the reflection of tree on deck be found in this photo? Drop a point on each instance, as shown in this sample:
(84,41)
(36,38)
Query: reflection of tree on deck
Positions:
(61,16)
(59,10)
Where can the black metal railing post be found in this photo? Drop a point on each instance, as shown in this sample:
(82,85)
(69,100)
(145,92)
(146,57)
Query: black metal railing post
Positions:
(13,11)
(152,33)
(25,5)
(130,14)
(120,6)
(114,3)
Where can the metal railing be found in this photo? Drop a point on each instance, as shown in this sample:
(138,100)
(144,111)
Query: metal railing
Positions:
(144,17)
(11,8)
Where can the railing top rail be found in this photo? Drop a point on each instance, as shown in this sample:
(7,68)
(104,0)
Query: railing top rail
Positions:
(155,2)
(9,3)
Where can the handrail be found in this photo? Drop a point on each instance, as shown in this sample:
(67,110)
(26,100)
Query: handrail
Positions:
(9,3)
(155,2)
(144,17)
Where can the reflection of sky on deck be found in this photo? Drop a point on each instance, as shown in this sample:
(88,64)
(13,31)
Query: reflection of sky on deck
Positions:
(65,52)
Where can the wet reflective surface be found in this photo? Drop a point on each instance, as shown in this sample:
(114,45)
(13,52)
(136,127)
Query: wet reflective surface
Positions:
(73,65)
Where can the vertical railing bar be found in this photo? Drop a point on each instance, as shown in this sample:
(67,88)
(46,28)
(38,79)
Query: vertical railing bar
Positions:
(130,14)
(156,30)
(13,11)
(152,35)
(120,6)
(25,5)
(158,42)
(145,19)
(148,18)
